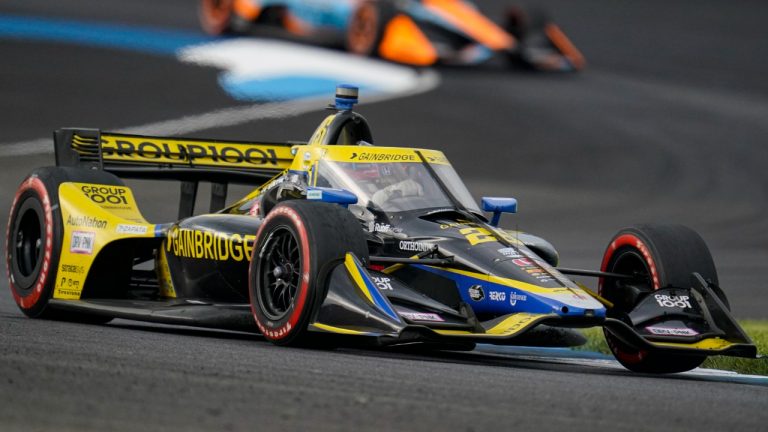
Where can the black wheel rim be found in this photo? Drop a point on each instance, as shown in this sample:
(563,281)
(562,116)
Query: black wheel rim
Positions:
(630,262)
(28,242)
(280,264)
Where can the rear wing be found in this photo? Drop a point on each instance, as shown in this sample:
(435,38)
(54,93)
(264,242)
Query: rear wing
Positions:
(187,160)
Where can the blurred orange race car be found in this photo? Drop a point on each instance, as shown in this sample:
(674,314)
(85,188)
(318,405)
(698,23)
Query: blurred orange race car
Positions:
(415,32)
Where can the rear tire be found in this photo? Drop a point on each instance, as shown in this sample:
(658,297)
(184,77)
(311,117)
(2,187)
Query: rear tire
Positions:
(665,255)
(34,239)
(366,28)
(525,25)
(520,22)
(296,247)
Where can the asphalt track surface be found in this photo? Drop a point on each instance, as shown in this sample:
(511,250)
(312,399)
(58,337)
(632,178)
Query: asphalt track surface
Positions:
(667,124)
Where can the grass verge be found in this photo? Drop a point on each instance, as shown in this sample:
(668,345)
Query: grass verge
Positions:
(757,330)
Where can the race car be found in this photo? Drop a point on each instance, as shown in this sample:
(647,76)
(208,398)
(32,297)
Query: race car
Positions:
(343,242)
(415,32)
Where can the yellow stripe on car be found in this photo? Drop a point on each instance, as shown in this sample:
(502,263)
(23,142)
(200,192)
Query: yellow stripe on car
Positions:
(509,326)
(339,330)
(353,271)
(711,344)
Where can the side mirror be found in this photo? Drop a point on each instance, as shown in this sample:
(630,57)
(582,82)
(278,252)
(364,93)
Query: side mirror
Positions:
(498,206)
(342,197)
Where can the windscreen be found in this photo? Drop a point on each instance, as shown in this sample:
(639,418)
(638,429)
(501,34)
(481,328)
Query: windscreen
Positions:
(395,186)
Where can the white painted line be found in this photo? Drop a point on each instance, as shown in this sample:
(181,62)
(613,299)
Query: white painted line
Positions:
(276,67)
(597,360)
(226,117)
(35,146)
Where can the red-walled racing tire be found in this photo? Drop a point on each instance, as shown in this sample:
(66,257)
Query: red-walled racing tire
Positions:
(665,255)
(34,239)
(296,247)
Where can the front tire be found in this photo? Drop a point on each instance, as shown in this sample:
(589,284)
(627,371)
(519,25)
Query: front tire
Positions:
(661,255)
(296,248)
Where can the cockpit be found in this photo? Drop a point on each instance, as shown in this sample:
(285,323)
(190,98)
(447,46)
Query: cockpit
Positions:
(400,180)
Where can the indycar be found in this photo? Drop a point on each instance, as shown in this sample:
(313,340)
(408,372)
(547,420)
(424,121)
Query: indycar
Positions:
(343,242)
(415,32)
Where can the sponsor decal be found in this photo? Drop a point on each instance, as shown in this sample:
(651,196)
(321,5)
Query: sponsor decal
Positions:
(672,331)
(668,301)
(515,297)
(86,222)
(379,157)
(534,269)
(382,228)
(172,151)
(69,286)
(383,283)
(189,243)
(315,194)
(414,246)
(497,295)
(476,293)
(131,229)
(82,242)
(272,184)
(523,262)
(458,224)
(510,252)
(114,195)
(69,268)
(421,316)
(477,235)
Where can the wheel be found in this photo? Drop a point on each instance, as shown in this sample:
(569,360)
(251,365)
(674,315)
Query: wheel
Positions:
(296,247)
(661,255)
(34,239)
(527,26)
(216,16)
(366,27)
(521,23)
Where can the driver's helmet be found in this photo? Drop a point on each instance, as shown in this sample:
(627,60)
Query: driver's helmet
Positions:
(385,185)
(370,176)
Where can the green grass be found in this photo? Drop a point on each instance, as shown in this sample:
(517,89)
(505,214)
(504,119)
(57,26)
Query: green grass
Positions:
(757,330)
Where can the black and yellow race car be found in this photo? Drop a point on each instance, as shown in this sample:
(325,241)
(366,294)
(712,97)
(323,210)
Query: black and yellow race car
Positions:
(342,241)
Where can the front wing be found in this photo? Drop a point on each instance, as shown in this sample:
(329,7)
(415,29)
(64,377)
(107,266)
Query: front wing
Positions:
(355,305)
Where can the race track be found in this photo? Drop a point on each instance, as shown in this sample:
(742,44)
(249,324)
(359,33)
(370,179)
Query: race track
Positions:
(668,124)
